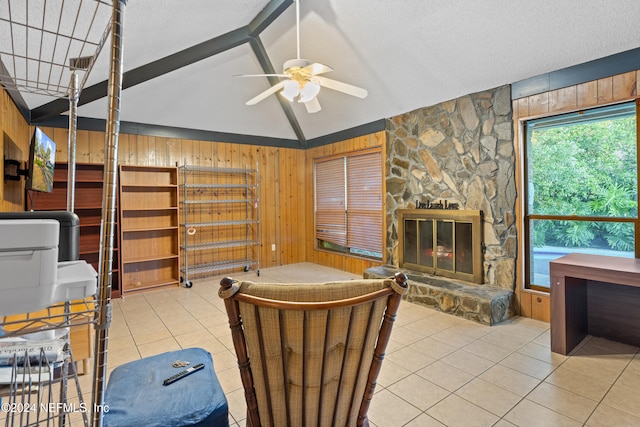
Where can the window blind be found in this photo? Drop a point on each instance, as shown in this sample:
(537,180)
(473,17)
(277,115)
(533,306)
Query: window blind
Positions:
(364,202)
(331,215)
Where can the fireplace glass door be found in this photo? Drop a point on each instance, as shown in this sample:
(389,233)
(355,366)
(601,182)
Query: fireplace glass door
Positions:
(442,246)
(418,242)
(410,248)
(425,229)
(464,247)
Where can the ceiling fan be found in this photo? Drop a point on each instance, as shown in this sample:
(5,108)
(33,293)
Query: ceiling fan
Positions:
(304,80)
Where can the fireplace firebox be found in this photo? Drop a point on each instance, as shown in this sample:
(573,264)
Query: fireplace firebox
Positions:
(442,242)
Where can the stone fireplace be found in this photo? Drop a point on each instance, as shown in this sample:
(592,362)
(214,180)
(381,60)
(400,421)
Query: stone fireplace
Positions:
(458,152)
(442,242)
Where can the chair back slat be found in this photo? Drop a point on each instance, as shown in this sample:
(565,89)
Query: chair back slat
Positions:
(364,349)
(261,352)
(343,369)
(305,367)
(285,363)
(325,374)
(311,362)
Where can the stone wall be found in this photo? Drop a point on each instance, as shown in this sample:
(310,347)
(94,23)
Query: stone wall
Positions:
(460,151)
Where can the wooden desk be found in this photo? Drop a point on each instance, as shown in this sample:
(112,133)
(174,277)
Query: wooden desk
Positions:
(581,305)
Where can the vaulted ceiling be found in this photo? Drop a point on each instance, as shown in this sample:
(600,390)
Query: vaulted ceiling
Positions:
(181,57)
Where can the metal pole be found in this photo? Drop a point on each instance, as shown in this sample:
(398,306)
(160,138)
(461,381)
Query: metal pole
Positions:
(74,93)
(186,223)
(247,201)
(257,206)
(108,211)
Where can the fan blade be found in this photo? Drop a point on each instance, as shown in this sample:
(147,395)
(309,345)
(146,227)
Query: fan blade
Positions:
(263,95)
(260,75)
(317,68)
(313,106)
(342,87)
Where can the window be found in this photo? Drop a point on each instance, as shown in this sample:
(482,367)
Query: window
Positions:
(582,187)
(348,203)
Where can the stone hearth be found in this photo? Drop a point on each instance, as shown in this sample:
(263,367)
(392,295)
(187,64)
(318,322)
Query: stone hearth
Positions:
(485,304)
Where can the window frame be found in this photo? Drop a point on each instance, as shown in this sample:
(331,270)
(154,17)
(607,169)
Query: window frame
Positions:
(379,207)
(528,217)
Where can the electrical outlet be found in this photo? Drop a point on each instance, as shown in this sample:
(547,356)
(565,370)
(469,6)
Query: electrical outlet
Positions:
(273,247)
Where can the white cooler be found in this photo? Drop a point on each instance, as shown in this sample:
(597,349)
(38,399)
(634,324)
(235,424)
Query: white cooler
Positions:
(30,276)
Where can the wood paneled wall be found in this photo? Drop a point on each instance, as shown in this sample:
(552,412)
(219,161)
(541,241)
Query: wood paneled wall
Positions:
(286,179)
(609,90)
(16,138)
(351,264)
(281,171)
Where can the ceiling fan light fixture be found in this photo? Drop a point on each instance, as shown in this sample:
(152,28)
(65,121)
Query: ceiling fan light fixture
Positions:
(291,90)
(309,91)
(304,79)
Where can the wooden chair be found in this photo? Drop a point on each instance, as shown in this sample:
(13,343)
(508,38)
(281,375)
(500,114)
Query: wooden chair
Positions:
(309,353)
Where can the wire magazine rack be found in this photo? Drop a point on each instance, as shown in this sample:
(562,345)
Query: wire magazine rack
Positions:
(41,60)
(41,386)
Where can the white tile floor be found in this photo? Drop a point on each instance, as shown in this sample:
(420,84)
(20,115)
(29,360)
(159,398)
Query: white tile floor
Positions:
(439,369)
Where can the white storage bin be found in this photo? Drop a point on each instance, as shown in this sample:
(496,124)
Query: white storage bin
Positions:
(28,264)
(76,280)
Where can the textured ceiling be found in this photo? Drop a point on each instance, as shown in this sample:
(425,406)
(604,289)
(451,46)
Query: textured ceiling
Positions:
(407,54)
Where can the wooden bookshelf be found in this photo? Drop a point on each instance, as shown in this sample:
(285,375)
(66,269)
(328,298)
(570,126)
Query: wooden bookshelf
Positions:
(88,207)
(149,227)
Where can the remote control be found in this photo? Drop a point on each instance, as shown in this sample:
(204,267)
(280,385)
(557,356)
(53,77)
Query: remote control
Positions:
(183,374)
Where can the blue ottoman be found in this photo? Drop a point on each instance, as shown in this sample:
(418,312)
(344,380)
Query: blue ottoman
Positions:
(136,397)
